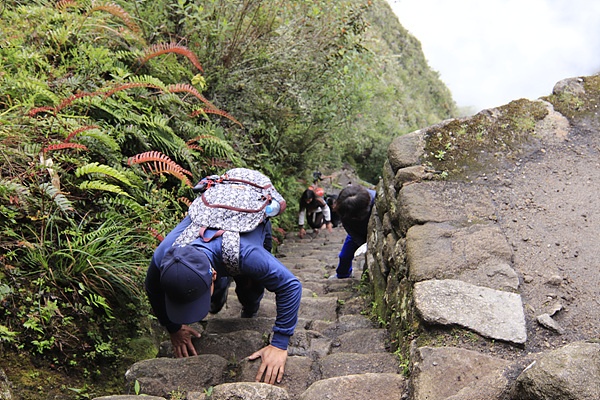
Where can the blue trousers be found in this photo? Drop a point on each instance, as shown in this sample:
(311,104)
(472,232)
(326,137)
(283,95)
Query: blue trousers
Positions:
(344,269)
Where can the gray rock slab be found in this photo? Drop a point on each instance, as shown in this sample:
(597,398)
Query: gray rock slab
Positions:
(406,150)
(358,387)
(323,308)
(299,374)
(308,343)
(245,390)
(362,341)
(231,346)
(570,372)
(438,373)
(478,254)
(341,364)
(125,397)
(346,323)
(161,376)
(233,308)
(225,325)
(492,313)
(436,201)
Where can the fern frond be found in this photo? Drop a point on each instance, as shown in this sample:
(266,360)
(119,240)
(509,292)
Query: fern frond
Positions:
(161,164)
(62,146)
(67,101)
(117,11)
(219,163)
(138,81)
(165,48)
(195,147)
(37,88)
(79,130)
(214,146)
(103,138)
(156,234)
(130,85)
(20,190)
(96,168)
(131,204)
(184,87)
(204,111)
(32,113)
(63,4)
(102,186)
(100,233)
(157,156)
(59,199)
(185,201)
(199,138)
(156,121)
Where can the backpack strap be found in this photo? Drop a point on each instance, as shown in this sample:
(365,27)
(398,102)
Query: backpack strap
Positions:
(230,252)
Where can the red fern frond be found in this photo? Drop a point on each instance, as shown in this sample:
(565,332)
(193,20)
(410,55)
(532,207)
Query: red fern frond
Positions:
(192,142)
(198,138)
(118,12)
(156,234)
(164,48)
(160,164)
(184,87)
(63,4)
(185,201)
(79,130)
(203,111)
(219,163)
(62,146)
(71,99)
(126,86)
(37,110)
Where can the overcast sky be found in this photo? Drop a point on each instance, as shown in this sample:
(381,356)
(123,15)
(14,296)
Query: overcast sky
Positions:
(490,52)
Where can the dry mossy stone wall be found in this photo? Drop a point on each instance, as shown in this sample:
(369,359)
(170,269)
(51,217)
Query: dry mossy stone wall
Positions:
(435,199)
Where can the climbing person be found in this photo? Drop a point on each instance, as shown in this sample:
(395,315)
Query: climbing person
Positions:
(191,269)
(315,210)
(353,205)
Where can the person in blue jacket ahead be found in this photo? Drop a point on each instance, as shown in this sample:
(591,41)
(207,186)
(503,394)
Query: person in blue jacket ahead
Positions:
(184,283)
(353,205)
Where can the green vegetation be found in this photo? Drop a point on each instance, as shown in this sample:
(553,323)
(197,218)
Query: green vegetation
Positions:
(111,111)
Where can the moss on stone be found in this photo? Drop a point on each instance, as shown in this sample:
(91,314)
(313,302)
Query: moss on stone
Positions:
(462,147)
(578,106)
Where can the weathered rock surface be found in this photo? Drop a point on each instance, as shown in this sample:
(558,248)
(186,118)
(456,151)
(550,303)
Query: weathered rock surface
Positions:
(570,372)
(495,247)
(492,313)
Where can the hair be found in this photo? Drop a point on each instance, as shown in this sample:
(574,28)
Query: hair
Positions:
(306,195)
(353,203)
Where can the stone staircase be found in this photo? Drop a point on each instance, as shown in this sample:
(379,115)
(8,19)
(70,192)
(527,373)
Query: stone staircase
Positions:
(335,353)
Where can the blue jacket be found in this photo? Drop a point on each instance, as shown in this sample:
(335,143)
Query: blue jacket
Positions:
(255,262)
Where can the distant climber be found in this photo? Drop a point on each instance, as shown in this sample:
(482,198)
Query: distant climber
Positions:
(353,205)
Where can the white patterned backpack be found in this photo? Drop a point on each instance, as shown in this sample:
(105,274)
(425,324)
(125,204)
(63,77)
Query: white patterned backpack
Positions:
(231,203)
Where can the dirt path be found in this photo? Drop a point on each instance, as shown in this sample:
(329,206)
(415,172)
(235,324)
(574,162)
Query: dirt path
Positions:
(549,211)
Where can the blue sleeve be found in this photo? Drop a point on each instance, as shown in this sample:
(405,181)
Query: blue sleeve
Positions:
(261,265)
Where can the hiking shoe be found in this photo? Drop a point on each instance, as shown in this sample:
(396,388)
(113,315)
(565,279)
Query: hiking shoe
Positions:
(216,304)
(248,314)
